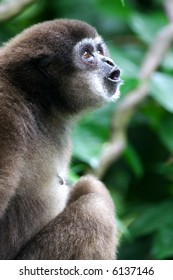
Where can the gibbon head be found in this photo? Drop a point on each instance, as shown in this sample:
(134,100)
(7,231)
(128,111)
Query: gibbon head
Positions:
(63,64)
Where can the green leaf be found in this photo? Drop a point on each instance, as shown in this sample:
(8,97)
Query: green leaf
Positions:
(166,132)
(153,219)
(148,25)
(90,135)
(162,90)
(168,60)
(87,145)
(114,8)
(124,61)
(166,170)
(163,242)
(128,85)
(123,3)
(133,160)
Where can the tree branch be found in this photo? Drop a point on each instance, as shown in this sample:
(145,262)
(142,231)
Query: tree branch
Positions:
(169,9)
(156,52)
(11,8)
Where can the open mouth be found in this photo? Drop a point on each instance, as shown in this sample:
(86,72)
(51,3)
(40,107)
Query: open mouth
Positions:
(114,76)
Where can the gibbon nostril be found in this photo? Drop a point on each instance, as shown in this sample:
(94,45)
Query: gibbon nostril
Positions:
(108,61)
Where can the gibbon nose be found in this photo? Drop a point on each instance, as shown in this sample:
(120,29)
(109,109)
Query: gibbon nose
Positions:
(111,71)
(112,67)
(108,61)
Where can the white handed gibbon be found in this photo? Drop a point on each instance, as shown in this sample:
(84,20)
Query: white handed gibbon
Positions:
(49,74)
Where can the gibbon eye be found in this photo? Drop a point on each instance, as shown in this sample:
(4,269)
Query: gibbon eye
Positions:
(88,57)
(87,54)
(100,51)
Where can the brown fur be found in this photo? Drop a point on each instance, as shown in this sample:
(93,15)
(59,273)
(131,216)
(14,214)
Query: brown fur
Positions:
(40,94)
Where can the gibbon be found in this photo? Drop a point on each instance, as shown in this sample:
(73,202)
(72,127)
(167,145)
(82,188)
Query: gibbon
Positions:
(49,74)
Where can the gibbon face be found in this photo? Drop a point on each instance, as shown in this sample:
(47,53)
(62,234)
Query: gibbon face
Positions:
(64,64)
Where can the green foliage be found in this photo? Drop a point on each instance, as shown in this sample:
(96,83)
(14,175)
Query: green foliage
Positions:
(146,26)
(166,132)
(161,90)
(157,222)
(94,132)
(141,180)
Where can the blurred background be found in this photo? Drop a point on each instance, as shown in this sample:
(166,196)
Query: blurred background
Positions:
(128,144)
